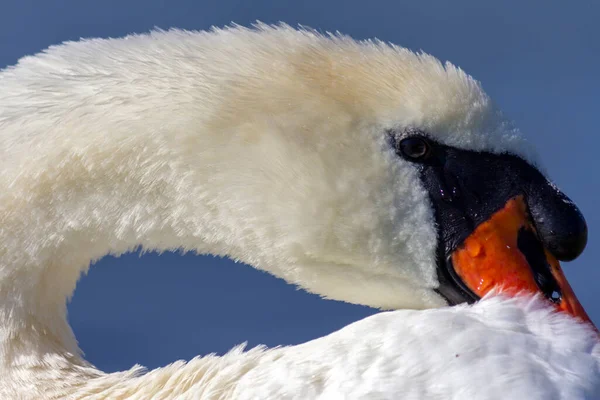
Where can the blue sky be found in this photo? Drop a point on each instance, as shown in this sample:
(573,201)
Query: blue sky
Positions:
(539,61)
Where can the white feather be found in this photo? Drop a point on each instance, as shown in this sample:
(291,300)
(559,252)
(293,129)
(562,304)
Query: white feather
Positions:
(267,145)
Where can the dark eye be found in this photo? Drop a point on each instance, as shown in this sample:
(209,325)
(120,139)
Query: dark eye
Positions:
(415,148)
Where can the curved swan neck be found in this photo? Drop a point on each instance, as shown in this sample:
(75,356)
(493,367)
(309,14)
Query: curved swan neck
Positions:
(174,141)
(102,181)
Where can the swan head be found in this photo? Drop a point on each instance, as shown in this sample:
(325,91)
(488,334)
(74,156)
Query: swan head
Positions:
(394,180)
(359,171)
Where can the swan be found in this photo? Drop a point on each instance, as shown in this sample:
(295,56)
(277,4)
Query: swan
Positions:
(360,171)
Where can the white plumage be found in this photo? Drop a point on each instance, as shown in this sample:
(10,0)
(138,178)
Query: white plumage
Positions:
(267,146)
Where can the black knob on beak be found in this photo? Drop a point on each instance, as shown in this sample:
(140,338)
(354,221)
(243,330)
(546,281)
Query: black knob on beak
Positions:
(560,224)
(569,243)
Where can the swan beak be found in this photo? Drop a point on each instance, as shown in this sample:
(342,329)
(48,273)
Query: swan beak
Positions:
(505,252)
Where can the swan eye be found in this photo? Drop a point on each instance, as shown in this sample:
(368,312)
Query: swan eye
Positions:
(415,148)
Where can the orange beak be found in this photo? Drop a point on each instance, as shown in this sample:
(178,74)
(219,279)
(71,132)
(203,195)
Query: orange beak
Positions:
(504,252)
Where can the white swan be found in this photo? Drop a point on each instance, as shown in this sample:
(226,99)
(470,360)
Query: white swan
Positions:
(336,165)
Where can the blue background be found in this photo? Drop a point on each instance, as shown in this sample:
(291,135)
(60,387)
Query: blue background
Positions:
(539,60)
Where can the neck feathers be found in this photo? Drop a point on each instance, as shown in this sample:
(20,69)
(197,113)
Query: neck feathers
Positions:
(262,145)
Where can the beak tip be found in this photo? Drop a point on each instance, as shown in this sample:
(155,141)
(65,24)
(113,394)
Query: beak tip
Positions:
(516,259)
